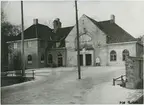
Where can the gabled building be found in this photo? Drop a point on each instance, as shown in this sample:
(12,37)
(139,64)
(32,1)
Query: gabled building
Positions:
(105,41)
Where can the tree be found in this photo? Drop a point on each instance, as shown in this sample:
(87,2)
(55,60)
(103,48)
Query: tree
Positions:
(140,38)
(7,30)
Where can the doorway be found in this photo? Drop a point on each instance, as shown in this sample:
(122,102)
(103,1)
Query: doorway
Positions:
(81,60)
(88,59)
(60,60)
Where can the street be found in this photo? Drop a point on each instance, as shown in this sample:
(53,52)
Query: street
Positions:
(61,87)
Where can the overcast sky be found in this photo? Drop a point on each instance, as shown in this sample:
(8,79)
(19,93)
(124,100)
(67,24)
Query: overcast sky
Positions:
(129,14)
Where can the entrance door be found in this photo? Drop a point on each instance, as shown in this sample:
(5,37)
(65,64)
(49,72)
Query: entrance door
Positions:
(88,59)
(60,61)
(81,60)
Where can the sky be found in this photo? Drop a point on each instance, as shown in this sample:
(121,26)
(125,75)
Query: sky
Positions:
(128,14)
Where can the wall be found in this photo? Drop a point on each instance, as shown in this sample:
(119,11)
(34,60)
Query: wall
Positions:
(134,72)
(42,50)
(131,47)
(71,57)
(54,53)
(103,55)
(139,50)
(97,36)
(28,50)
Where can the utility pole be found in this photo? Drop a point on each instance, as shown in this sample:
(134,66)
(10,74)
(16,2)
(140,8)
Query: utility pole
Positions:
(22,41)
(78,50)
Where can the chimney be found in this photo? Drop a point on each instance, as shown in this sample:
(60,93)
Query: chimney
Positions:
(112,20)
(56,24)
(35,21)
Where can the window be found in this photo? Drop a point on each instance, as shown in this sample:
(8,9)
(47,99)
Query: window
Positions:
(29,59)
(84,39)
(42,58)
(15,45)
(113,55)
(59,55)
(57,44)
(125,53)
(50,58)
(29,44)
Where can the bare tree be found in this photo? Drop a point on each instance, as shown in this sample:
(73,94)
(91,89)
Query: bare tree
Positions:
(7,30)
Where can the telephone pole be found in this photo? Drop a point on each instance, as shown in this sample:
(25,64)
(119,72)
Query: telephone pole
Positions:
(22,41)
(78,50)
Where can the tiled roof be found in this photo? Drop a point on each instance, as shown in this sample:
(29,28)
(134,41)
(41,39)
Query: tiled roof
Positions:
(35,31)
(115,33)
(61,34)
(43,32)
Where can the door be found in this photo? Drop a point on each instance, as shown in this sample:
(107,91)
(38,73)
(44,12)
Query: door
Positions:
(60,61)
(81,60)
(15,63)
(88,59)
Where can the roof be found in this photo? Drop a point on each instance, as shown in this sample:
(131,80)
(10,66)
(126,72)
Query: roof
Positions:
(61,34)
(35,31)
(44,33)
(114,32)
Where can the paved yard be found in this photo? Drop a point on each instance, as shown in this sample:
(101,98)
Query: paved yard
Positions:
(60,86)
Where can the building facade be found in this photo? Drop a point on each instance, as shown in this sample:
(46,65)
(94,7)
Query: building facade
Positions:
(103,43)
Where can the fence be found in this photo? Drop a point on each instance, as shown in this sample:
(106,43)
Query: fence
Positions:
(30,73)
(117,79)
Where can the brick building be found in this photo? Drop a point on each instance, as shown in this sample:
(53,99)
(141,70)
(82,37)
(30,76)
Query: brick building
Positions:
(104,42)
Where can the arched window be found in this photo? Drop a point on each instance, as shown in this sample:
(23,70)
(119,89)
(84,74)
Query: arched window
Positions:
(50,58)
(29,59)
(84,39)
(42,58)
(124,54)
(113,55)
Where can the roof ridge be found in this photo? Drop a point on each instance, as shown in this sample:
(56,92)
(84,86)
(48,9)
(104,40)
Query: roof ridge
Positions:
(42,25)
(90,18)
(65,27)
(104,21)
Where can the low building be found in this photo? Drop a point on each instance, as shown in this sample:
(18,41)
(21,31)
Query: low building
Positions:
(105,41)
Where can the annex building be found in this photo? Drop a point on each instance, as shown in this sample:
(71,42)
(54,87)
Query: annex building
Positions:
(104,42)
